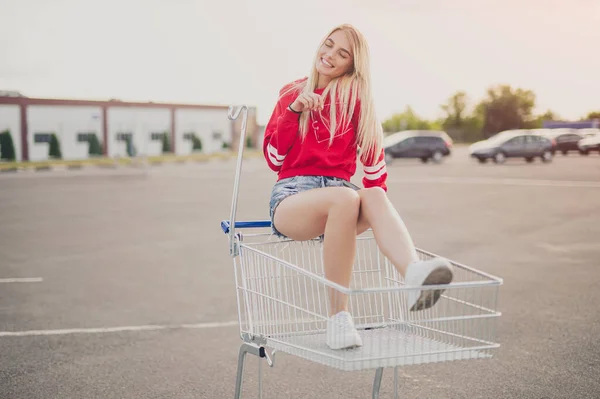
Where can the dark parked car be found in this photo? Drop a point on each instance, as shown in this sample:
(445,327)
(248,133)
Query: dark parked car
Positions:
(423,144)
(564,140)
(512,144)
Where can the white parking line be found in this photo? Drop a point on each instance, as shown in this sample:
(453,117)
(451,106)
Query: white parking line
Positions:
(104,330)
(501,181)
(22,280)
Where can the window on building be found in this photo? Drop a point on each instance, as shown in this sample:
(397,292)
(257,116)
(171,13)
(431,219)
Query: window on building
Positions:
(124,136)
(157,136)
(84,137)
(42,137)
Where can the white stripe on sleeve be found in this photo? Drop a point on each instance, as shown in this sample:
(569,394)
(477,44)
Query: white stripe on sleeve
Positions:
(374,168)
(375,176)
(274,157)
(272,150)
(274,161)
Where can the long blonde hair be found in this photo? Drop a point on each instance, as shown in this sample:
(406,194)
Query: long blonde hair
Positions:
(345,91)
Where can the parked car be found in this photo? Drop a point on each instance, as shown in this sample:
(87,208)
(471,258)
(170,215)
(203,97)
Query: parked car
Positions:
(565,140)
(589,132)
(590,143)
(423,144)
(513,144)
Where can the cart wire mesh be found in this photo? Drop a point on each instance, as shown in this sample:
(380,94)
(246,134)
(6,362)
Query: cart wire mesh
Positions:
(284,299)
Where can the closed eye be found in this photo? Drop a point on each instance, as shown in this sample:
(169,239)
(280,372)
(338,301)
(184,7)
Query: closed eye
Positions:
(343,52)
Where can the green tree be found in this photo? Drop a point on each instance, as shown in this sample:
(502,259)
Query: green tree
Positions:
(538,122)
(592,115)
(408,120)
(506,108)
(196,143)
(459,125)
(95,148)
(455,109)
(54,148)
(7,147)
(472,129)
(129,147)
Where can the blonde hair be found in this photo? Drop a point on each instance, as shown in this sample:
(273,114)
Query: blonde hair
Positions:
(345,91)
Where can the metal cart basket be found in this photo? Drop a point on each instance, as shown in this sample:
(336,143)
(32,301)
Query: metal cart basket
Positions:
(282,298)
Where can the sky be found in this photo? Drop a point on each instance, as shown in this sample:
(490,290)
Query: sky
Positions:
(243,52)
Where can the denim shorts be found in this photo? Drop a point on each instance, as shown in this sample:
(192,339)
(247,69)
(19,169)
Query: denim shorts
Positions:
(294,185)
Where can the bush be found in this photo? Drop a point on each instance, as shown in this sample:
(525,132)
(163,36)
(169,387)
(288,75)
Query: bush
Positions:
(248,142)
(196,143)
(7,148)
(95,148)
(54,148)
(166,144)
(225,145)
(129,146)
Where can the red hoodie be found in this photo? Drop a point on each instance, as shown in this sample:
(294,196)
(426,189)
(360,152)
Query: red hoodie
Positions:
(289,156)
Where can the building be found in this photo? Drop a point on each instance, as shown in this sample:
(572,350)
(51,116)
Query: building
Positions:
(593,124)
(252,130)
(116,124)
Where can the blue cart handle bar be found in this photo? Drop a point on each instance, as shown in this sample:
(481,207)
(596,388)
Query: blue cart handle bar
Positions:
(225,224)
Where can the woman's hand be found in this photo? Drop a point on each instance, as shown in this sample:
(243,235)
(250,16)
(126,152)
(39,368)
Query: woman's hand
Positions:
(307,102)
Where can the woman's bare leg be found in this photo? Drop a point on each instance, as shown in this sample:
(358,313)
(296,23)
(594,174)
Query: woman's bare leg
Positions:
(391,234)
(334,212)
(394,241)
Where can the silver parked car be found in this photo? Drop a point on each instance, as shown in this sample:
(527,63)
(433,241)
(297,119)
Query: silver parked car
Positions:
(513,144)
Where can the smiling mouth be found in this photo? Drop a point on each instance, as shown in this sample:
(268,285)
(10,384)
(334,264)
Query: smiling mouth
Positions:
(327,64)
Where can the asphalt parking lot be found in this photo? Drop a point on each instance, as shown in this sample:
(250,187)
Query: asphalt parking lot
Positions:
(118,283)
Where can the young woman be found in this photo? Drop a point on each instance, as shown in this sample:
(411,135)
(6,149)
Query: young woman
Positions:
(318,127)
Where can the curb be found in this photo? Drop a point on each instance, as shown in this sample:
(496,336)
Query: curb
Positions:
(106,162)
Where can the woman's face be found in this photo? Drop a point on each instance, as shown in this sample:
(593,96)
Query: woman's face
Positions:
(335,57)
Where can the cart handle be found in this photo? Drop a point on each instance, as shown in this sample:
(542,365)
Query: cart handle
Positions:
(225,224)
(233,114)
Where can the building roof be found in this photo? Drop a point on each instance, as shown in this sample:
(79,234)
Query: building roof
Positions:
(22,100)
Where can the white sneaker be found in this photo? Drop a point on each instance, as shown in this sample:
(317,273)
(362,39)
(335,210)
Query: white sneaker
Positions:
(341,333)
(430,272)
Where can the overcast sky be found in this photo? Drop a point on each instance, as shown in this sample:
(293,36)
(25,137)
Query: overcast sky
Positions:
(231,52)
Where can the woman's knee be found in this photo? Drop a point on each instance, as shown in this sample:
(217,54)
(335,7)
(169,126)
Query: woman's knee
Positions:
(372,194)
(347,199)
(371,200)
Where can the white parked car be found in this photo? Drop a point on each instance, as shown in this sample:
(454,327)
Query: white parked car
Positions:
(591,141)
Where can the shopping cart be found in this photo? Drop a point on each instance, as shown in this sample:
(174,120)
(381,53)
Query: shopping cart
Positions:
(282,298)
